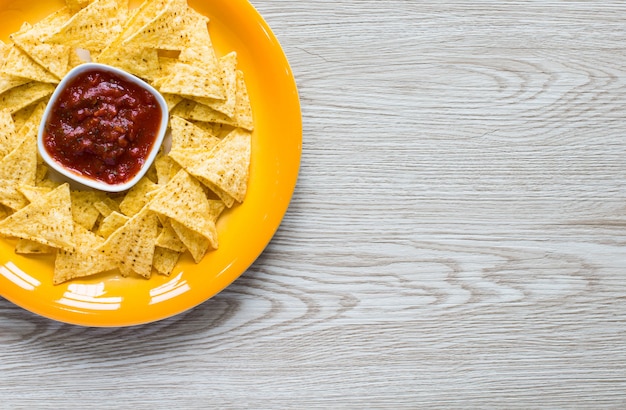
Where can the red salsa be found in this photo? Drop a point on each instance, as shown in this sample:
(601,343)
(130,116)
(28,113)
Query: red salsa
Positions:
(102,126)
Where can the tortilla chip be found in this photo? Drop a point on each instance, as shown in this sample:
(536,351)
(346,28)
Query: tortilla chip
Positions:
(9,81)
(33,192)
(7,132)
(171,100)
(111,223)
(228,66)
(93,27)
(84,212)
(132,245)
(168,238)
(140,61)
(28,247)
(197,244)
(228,165)
(107,206)
(135,199)
(187,135)
(174,28)
(19,64)
(19,97)
(165,260)
(165,167)
(17,168)
(86,260)
(196,81)
(46,220)
(52,57)
(183,200)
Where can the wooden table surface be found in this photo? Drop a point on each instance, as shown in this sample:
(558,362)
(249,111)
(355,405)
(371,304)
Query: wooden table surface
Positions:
(457,237)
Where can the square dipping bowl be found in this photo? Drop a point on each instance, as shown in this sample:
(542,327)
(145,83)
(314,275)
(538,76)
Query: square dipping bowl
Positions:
(72,175)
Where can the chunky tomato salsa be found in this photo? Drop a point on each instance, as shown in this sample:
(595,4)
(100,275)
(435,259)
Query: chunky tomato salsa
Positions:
(102,126)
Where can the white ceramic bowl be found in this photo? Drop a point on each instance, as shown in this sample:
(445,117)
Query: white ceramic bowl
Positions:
(71,175)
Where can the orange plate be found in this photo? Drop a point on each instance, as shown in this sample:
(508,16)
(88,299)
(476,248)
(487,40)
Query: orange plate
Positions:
(244,230)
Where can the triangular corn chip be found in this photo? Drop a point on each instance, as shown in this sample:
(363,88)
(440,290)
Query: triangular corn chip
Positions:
(84,212)
(168,238)
(46,220)
(228,66)
(165,260)
(7,132)
(187,135)
(197,244)
(86,260)
(175,27)
(28,247)
(132,245)
(227,165)
(19,97)
(52,57)
(94,26)
(111,223)
(135,199)
(19,64)
(183,200)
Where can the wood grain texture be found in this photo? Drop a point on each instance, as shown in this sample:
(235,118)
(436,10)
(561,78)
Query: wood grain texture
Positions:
(457,237)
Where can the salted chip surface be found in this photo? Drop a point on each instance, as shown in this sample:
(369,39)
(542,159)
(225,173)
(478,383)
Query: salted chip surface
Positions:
(227,165)
(132,245)
(196,244)
(228,67)
(86,260)
(136,198)
(183,200)
(19,64)
(52,57)
(18,168)
(174,28)
(165,260)
(168,239)
(24,95)
(92,27)
(46,220)
(7,132)
(186,135)
(111,223)
(84,212)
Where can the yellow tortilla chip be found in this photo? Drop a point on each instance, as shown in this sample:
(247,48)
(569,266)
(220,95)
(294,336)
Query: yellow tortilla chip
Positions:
(52,57)
(107,206)
(7,132)
(228,66)
(187,79)
(228,165)
(189,159)
(17,168)
(46,220)
(183,200)
(28,247)
(243,111)
(135,199)
(175,27)
(165,260)
(19,64)
(187,135)
(140,61)
(84,212)
(197,244)
(93,27)
(111,223)
(86,260)
(33,192)
(19,97)
(165,168)
(132,245)
(168,238)
(8,81)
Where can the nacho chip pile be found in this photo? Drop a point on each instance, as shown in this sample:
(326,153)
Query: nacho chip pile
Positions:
(201,170)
